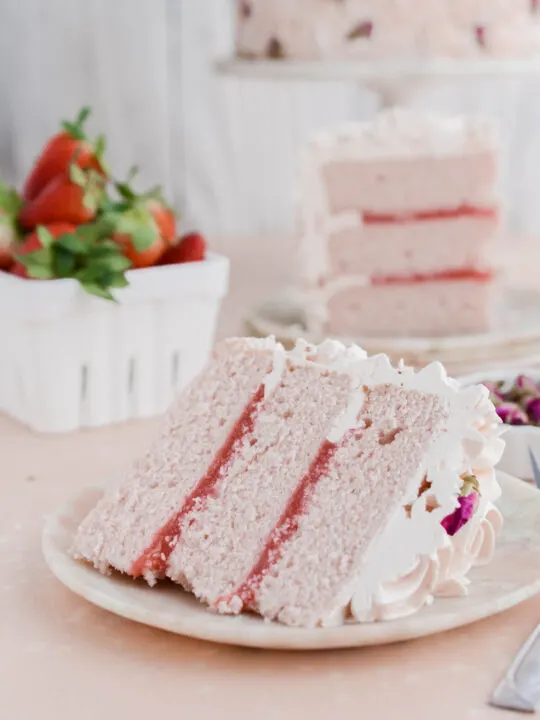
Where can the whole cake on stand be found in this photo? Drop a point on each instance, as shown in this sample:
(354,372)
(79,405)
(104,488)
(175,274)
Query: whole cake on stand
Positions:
(380,29)
(389,47)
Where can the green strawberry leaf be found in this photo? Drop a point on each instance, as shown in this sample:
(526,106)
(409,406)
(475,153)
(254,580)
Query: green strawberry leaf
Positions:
(104,250)
(119,280)
(77,175)
(39,272)
(75,129)
(98,291)
(143,237)
(45,237)
(99,148)
(124,188)
(10,201)
(74,243)
(64,262)
(38,263)
(37,257)
(117,263)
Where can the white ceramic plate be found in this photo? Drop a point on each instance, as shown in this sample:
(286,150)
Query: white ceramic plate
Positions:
(513,576)
(516,341)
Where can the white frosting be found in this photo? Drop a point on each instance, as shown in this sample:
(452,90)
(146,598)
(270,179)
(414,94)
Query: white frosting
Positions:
(349,418)
(272,380)
(404,565)
(413,558)
(404,133)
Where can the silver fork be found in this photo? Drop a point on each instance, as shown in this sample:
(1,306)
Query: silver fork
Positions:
(535,467)
(520,688)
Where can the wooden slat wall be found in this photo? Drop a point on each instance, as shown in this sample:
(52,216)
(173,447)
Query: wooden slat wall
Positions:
(226,149)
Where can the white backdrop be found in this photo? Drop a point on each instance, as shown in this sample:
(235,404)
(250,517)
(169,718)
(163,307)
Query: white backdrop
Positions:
(224,148)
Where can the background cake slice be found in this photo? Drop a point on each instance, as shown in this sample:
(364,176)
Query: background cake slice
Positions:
(399,224)
(308,486)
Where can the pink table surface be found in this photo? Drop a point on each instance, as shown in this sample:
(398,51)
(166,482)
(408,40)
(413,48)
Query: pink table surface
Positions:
(63,659)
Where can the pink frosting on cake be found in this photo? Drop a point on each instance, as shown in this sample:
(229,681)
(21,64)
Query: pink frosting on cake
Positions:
(408,195)
(382,29)
(277,475)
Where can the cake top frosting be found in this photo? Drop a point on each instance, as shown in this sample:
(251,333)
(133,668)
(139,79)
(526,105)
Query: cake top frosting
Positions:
(402,132)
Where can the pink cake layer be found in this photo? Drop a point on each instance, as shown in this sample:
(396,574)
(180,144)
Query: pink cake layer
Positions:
(125,524)
(417,309)
(418,246)
(253,500)
(412,184)
(364,483)
(224,537)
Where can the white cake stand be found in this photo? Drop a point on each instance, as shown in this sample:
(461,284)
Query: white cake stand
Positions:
(392,80)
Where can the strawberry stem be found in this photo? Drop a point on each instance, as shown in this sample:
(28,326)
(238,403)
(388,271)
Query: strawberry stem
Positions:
(76,129)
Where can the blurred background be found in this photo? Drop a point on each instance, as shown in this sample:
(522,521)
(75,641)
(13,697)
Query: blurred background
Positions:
(147,69)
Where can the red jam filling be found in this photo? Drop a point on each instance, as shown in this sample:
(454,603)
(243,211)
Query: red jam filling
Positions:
(372,218)
(444,275)
(287,525)
(155,557)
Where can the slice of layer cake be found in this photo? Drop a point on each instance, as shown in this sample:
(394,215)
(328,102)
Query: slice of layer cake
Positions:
(387,29)
(308,486)
(399,227)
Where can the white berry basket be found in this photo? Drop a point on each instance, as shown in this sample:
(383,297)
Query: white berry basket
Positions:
(521,440)
(69,360)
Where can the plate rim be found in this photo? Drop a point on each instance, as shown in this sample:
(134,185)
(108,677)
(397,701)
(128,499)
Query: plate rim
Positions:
(255,632)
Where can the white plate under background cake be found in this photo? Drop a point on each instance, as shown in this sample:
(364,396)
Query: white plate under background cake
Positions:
(514,343)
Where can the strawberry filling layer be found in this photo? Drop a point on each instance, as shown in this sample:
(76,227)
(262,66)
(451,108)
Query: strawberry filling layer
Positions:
(286,527)
(155,557)
(464,211)
(442,276)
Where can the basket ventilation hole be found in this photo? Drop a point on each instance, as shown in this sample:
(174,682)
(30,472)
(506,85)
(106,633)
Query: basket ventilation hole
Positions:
(131,376)
(175,369)
(84,382)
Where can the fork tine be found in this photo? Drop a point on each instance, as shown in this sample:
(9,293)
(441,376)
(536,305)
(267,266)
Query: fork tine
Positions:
(535,467)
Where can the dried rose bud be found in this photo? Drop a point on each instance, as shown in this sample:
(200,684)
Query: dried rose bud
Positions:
(532,408)
(524,382)
(512,414)
(470,485)
(462,514)
(495,388)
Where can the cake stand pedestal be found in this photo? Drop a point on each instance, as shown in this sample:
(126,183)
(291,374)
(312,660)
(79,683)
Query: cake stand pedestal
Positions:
(392,81)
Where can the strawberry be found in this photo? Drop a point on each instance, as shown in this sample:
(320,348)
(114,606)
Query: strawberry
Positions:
(72,198)
(191,248)
(164,218)
(144,226)
(147,256)
(37,241)
(67,147)
(10,204)
(153,203)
